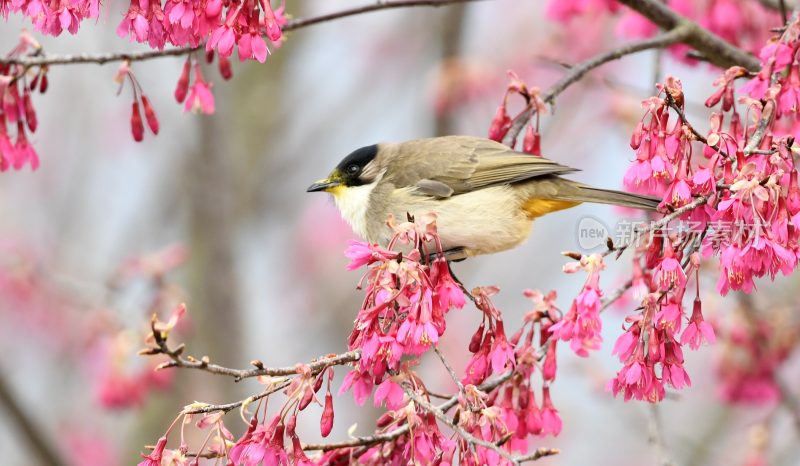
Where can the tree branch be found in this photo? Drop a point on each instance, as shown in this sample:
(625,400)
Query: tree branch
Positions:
(716,50)
(42,59)
(316,366)
(578,71)
(40,446)
(449,368)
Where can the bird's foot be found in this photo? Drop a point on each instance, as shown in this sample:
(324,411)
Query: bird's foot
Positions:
(450,255)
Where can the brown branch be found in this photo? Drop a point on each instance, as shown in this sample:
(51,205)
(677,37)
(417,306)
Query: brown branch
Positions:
(717,50)
(539,453)
(578,71)
(674,105)
(161,346)
(450,370)
(204,408)
(41,447)
(316,366)
(42,59)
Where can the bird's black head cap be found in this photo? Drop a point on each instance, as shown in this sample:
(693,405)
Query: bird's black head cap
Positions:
(351,168)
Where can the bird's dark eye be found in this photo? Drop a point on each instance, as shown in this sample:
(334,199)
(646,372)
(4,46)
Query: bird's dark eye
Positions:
(352,169)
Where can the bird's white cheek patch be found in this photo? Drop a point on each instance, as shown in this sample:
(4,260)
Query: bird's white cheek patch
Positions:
(353,203)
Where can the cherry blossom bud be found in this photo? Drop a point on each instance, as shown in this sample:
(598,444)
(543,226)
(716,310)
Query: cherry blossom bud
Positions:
(137,127)
(715,98)
(500,124)
(150,115)
(225,69)
(550,366)
(532,142)
(318,382)
(326,421)
(636,137)
(30,113)
(727,98)
(43,83)
(653,255)
(385,419)
(306,400)
(524,398)
(477,337)
(209,56)
(183,84)
(34,82)
(10,106)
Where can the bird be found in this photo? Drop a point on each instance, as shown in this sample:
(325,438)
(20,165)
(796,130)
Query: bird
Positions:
(485,195)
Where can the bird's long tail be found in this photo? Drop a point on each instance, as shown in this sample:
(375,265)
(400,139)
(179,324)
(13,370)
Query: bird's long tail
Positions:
(613,197)
(550,195)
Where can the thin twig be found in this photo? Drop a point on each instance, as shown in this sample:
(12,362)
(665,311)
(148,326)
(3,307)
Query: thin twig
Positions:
(539,453)
(316,366)
(674,105)
(205,408)
(449,368)
(42,59)
(177,360)
(578,71)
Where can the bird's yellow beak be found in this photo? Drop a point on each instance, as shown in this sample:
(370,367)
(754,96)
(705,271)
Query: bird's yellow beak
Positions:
(323,185)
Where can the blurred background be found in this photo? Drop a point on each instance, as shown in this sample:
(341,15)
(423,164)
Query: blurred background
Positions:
(263,275)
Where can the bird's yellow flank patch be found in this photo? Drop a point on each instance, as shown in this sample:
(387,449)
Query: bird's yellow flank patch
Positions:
(538,207)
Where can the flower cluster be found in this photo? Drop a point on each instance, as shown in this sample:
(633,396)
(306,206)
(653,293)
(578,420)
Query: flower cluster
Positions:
(741,22)
(501,123)
(511,409)
(581,326)
(265,441)
(406,300)
(52,18)
(745,177)
(17,114)
(125,74)
(223,26)
(200,99)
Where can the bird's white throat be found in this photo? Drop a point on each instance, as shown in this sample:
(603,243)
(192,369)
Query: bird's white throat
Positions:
(353,203)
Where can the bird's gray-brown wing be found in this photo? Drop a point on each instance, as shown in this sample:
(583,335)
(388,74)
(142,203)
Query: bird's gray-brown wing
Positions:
(451,165)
